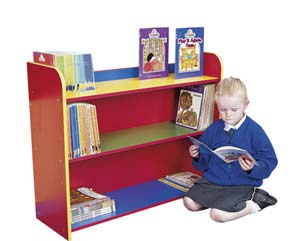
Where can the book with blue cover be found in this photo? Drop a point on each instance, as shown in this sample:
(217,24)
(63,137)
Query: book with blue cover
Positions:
(189,52)
(153,52)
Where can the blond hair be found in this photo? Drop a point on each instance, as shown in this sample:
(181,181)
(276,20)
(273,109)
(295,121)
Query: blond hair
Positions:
(231,86)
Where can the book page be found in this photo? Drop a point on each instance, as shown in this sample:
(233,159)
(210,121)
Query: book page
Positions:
(226,153)
(232,153)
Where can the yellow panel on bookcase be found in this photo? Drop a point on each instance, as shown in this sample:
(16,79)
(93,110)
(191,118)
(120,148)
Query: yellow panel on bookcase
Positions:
(136,85)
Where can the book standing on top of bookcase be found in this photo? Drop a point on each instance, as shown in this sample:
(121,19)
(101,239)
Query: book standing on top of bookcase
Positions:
(76,68)
(153,52)
(137,129)
(189,52)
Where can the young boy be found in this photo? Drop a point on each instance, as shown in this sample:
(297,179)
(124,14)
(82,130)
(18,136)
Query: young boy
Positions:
(230,190)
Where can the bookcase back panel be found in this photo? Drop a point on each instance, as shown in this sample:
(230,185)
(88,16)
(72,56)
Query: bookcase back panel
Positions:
(132,110)
(212,66)
(108,173)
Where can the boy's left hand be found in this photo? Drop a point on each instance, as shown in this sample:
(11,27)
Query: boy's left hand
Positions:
(246,163)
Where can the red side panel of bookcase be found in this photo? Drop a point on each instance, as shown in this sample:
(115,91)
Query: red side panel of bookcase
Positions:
(212,65)
(47,106)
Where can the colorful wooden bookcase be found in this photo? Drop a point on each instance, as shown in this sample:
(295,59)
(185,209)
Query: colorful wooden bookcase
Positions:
(140,142)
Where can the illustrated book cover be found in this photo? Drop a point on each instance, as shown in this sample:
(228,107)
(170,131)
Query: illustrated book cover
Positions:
(189,106)
(153,52)
(189,52)
(227,153)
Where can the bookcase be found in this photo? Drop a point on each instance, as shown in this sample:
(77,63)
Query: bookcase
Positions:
(139,139)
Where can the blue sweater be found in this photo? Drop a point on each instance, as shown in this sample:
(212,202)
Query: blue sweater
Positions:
(249,136)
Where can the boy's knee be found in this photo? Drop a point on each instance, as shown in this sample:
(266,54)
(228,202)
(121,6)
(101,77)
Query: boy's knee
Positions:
(190,204)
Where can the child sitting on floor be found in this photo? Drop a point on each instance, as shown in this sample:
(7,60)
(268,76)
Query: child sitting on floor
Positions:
(231,189)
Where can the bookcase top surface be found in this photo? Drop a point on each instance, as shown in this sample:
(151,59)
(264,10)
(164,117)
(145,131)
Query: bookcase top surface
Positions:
(133,85)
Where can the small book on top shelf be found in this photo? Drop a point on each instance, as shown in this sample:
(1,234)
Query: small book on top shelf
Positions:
(153,52)
(227,153)
(181,180)
(189,53)
(86,204)
(189,106)
(76,68)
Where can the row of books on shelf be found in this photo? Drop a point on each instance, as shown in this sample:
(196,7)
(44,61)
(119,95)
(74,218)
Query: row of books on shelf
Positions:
(87,204)
(78,72)
(83,130)
(76,68)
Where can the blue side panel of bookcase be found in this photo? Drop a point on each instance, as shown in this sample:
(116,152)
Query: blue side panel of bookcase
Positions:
(125,73)
(135,198)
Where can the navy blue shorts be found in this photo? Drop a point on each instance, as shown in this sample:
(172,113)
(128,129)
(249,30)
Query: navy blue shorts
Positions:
(226,198)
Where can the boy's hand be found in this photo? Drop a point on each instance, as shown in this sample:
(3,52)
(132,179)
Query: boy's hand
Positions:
(246,163)
(194,151)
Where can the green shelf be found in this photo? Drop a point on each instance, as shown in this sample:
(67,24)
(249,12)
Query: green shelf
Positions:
(142,135)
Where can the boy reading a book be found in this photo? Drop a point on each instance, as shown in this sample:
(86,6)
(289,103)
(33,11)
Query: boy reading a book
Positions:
(231,189)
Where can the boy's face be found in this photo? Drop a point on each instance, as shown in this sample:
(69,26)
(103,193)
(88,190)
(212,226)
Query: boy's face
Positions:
(231,108)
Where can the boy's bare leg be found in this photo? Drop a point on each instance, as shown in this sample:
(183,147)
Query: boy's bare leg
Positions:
(191,205)
(223,216)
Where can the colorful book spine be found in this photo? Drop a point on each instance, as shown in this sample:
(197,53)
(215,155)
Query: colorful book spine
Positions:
(207,108)
(153,52)
(189,52)
(77,69)
(83,128)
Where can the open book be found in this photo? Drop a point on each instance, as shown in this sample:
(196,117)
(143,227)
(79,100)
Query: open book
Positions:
(226,153)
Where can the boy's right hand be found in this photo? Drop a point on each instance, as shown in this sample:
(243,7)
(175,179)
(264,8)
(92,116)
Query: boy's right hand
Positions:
(194,151)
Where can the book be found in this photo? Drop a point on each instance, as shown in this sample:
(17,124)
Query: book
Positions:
(189,55)
(84,138)
(76,68)
(153,52)
(185,179)
(189,106)
(207,107)
(86,203)
(227,153)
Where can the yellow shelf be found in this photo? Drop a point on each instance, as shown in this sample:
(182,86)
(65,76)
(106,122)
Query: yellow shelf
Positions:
(135,85)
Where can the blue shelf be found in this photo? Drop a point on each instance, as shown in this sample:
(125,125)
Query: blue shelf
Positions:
(135,198)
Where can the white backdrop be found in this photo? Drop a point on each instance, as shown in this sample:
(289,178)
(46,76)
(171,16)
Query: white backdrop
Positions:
(257,41)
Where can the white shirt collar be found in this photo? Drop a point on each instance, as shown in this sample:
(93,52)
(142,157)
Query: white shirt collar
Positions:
(228,127)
